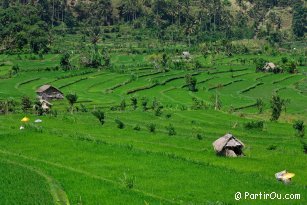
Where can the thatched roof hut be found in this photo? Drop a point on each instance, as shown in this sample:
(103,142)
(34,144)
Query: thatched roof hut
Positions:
(49,92)
(229,146)
(269,66)
(45,104)
(186,55)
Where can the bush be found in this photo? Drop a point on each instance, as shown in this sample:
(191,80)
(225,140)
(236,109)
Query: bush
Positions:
(53,113)
(83,108)
(72,99)
(128,182)
(134,103)
(191,82)
(260,105)
(99,115)
(199,136)
(15,69)
(260,62)
(144,103)
(254,125)
(120,124)
(198,104)
(276,105)
(291,67)
(115,29)
(26,103)
(284,60)
(122,105)
(151,127)
(137,127)
(272,147)
(171,130)
(38,108)
(168,115)
(65,62)
(299,128)
(158,110)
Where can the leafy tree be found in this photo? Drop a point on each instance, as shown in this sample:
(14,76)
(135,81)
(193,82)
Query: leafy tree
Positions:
(72,99)
(65,62)
(21,25)
(259,62)
(299,128)
(5,4)
(100,115)
(26,104)
(96,58)
(144,103)
(7,106)
(122,105)
(299,18)
(106,58)
(171,130)
(260,105)
(38,40)
(164,61)
(191,82)
(291,67)
(284,60)
(38,108)
(157,107)
(151,127)
(15,69)
(83,108)
(276,105)
(134,102)
(198,104)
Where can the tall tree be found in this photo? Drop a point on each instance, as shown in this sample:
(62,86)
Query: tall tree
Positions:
(276,105)
(299,19)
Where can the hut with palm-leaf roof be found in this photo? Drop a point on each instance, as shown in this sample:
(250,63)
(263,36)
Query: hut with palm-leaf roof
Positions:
(229,146)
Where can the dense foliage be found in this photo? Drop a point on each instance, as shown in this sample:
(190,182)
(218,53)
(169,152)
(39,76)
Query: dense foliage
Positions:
(32,25)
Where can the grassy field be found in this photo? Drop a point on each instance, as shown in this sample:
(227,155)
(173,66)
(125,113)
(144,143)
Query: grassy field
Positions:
(73,159)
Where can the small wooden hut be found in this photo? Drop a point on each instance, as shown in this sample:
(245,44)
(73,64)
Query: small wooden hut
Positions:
(268,67)
(46,106)
(186,55)
(48,92)
(228,146)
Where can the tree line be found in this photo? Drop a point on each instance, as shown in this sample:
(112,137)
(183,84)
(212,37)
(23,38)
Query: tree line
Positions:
(27,23)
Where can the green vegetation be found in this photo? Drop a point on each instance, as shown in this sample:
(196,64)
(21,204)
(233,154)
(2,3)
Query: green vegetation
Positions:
(299,128)
(99,115)
(149,86)
(72,99)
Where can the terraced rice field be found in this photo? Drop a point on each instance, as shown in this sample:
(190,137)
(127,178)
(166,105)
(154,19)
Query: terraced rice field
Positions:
(74,159)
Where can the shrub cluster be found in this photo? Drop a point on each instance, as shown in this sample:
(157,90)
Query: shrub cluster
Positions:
(299,128)
(120,124)
(254,125)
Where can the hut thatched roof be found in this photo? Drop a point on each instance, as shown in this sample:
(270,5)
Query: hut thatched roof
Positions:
(269,65)
(43,88)
(45,101)
(227,140)
(46,87)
